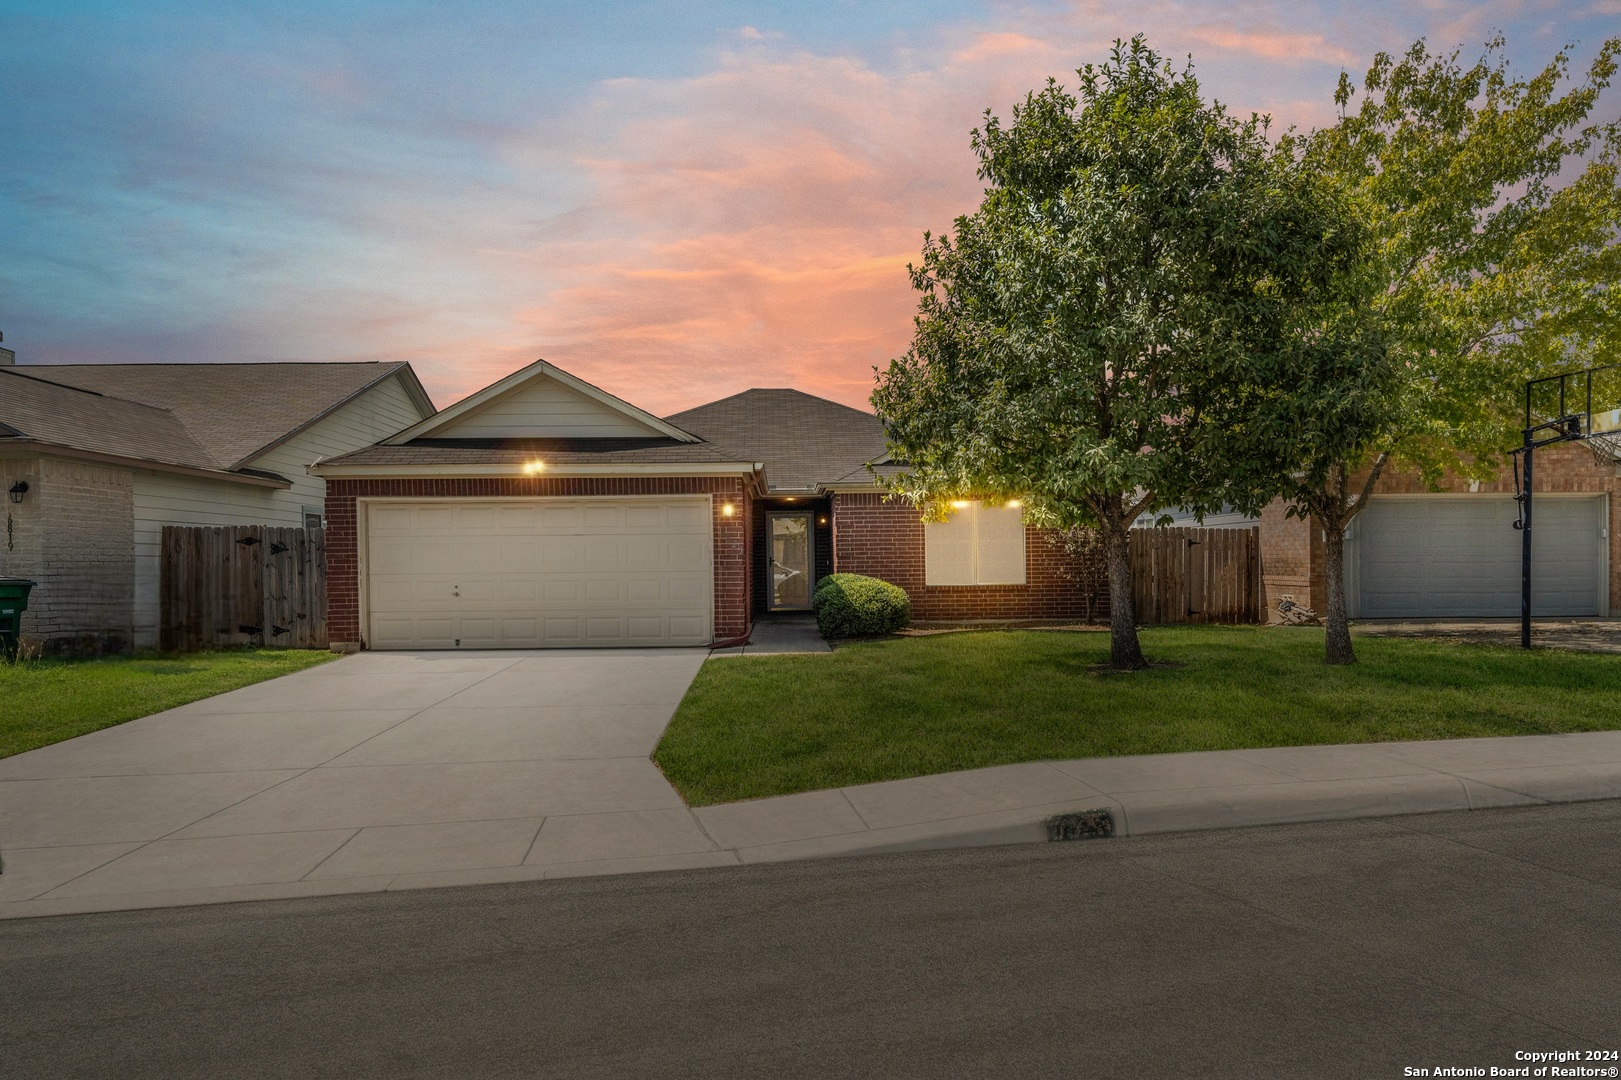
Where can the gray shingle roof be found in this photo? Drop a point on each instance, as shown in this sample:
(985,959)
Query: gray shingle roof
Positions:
(65,416)
(235,411)
(803,440)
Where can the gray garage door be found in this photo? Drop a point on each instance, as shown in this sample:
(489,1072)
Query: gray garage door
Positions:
(1415,557)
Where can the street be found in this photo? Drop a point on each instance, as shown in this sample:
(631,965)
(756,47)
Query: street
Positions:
(1341,949)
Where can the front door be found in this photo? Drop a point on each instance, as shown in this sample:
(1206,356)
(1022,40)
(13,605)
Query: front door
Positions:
(790,538)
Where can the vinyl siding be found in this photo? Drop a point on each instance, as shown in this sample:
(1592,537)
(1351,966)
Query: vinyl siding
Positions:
(544,409)
(168,499)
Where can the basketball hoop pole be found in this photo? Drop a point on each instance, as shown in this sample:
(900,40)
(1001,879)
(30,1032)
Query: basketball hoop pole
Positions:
(1528,450)
(1567,426)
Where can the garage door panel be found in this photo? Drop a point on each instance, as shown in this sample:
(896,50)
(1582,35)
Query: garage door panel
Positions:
(1460,557)
(539,574)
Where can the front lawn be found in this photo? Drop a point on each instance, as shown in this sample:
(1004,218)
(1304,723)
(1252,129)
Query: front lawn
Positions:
(882,710)
(46,701)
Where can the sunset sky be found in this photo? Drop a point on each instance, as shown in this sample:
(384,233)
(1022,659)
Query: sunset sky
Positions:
(674,200)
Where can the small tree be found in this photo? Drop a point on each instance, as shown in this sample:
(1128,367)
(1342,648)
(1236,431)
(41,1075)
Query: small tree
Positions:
(1103,335)
(1484,273)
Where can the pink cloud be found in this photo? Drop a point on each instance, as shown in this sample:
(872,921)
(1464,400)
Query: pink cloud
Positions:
(751,225)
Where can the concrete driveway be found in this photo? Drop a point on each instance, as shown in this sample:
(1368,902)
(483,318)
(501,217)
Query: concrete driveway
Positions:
(378,770)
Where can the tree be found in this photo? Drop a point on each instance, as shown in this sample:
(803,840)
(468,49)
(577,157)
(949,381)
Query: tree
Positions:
(1484,272)
(1099,338)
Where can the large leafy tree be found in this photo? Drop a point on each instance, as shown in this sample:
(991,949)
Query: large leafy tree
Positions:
(1103,335)
(1492,264)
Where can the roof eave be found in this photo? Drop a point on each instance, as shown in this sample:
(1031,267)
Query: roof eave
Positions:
(258,479)
(341,470)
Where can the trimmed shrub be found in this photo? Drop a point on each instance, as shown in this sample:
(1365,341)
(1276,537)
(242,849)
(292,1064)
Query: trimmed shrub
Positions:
(853,605)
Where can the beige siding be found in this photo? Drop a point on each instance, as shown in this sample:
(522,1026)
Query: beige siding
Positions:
(71,535)
(544,408)
(168,499)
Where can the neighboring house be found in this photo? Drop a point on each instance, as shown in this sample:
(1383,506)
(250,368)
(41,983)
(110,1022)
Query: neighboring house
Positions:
(1414,553)
(103,456)
(543,511)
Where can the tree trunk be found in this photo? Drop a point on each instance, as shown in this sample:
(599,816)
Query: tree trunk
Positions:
(1125,652)
(1338,624)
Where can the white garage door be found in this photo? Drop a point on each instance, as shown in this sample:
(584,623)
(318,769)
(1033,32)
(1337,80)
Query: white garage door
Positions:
(1415,557)
(538,573)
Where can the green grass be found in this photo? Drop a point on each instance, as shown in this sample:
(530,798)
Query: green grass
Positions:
(882,710)
(46,701)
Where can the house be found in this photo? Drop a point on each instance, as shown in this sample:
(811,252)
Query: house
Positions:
(1454,553)
(97,458)
(543,511)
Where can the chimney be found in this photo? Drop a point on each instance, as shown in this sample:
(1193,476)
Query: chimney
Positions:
(7,357)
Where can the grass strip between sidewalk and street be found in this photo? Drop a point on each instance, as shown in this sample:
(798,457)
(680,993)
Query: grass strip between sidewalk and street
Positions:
(752,727)
(46,701)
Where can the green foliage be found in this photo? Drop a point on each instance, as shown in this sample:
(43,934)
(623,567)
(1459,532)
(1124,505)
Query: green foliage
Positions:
(1492,263)
(1489,266)
(1101,335)
(852,605)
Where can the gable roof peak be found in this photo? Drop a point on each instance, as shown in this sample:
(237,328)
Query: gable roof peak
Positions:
(442,423)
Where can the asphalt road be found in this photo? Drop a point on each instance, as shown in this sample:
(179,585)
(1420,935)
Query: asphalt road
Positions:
(1346,949)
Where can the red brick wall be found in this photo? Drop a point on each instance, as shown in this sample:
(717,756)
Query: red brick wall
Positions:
(885,540)
(731,533)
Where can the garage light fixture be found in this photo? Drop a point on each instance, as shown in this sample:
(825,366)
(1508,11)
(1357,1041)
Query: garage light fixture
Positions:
(534,467)
(726,508)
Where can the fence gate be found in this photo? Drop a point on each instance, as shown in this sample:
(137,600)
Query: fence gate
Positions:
(1197,575)
(241,585)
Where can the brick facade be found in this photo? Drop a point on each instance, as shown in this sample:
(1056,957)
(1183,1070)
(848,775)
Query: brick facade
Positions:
(731,531)
(73,534)
(885,540)
(1293,551)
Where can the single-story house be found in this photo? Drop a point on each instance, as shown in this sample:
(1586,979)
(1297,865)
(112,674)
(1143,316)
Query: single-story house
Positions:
(543,511)
(1417,553)
(95,459)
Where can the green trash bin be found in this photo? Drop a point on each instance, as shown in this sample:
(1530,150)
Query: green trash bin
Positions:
(13,602)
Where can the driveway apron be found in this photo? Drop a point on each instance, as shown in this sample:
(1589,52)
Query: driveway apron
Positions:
(375,771)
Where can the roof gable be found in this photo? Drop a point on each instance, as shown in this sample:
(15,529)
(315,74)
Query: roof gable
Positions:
(541,402)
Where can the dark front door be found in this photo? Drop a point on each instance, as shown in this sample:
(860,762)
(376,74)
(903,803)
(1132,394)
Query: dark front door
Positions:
(790,538)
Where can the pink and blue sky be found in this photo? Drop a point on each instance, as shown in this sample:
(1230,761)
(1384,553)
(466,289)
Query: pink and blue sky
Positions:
(674,200)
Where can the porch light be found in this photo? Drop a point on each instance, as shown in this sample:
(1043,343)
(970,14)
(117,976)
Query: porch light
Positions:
(726,509)
(18,490)
(534,467)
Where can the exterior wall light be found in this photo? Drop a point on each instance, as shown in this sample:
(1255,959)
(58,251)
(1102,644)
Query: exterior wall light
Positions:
(960,505)
(1014,504)
(18,490)
(726,508)
(534,467)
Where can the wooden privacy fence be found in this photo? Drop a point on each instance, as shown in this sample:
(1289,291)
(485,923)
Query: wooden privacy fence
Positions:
(1197,575)
(240,585)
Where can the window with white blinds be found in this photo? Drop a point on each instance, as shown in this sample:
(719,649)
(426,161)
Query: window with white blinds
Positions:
(977,545)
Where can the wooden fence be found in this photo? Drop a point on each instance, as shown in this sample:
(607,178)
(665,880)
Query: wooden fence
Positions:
(1197,575)
(243,584)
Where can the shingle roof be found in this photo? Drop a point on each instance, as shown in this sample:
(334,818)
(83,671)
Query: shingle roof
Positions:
(803,440)
(235,411)
(66,416)
(518,452)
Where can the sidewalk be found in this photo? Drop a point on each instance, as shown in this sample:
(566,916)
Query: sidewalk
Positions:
(1173,793)
(1002,805)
